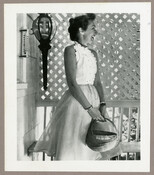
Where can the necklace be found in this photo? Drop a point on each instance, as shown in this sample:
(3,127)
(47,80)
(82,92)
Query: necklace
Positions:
(82,44)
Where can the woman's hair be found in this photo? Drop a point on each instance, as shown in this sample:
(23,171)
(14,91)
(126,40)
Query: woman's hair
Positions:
(79,22)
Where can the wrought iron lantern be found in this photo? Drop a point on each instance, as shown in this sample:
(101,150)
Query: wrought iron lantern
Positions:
(44,29)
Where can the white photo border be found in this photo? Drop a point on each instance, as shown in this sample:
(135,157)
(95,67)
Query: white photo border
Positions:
(10,67)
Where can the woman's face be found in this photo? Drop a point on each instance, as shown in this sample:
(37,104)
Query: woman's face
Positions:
(90,33)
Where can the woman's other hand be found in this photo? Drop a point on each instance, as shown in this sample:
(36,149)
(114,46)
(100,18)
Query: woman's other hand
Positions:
(95,114)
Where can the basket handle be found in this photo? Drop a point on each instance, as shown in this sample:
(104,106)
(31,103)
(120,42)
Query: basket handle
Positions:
(105,119)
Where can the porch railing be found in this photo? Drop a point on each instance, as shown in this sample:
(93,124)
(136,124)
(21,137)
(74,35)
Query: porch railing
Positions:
(126,116)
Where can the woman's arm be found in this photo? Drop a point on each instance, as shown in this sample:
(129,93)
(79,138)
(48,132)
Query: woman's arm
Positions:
(77,93)
(99,87)
(70,69)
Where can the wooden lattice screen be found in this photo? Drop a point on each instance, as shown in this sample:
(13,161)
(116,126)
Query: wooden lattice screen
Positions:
(118,48)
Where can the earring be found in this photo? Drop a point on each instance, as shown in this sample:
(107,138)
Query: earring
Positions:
(81,32)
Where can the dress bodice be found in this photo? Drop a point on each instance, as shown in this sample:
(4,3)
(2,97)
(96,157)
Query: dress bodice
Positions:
(86,65)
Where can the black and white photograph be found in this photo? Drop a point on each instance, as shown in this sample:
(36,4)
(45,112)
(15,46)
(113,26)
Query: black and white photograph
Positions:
(80,85)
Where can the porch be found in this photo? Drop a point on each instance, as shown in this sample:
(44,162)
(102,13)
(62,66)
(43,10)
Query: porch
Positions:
(118,48)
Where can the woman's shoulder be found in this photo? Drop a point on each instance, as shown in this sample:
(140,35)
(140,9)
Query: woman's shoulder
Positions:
(93,52)
(69,51)
(69,47)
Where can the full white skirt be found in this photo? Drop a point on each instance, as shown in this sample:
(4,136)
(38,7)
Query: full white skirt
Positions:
(65,134)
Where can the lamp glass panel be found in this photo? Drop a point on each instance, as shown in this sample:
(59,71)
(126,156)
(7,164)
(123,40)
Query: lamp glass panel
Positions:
(45,27)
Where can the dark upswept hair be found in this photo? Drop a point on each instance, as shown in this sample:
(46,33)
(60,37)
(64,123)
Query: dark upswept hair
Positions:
(79,22)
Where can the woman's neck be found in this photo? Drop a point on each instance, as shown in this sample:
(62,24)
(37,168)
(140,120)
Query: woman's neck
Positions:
(84,44)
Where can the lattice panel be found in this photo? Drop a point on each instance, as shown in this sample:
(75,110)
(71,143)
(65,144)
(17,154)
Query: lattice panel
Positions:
(118,48)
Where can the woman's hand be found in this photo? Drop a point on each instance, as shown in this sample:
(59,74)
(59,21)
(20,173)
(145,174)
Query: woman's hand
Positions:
(95,114)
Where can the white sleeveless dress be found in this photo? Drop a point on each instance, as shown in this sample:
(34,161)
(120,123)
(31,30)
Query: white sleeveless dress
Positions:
(64,136)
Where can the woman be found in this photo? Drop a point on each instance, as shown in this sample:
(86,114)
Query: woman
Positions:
(64,136)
